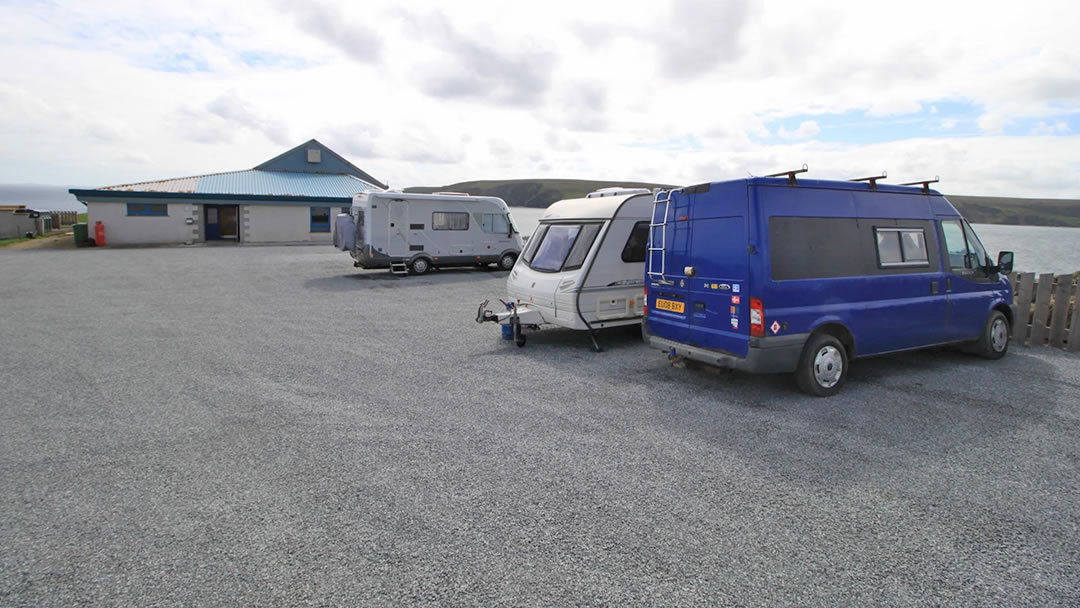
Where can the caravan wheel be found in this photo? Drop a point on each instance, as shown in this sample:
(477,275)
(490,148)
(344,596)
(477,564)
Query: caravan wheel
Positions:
(420,266)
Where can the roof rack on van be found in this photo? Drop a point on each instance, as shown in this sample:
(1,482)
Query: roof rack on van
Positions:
(790,175)
(924,183)
(872,179)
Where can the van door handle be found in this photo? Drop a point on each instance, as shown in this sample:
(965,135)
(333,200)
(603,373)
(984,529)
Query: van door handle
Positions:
(933,287)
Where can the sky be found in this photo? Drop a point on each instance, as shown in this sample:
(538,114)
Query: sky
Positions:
(984,95)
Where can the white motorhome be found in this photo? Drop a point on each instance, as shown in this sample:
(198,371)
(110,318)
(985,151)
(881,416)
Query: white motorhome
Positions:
(583,267)
(417,232)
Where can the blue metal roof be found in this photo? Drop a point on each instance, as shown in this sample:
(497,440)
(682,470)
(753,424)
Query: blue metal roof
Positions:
(282,183)
(255,182)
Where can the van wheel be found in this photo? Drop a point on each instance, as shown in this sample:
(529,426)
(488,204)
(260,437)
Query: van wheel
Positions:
(994,342)
(823,366)
(506,262)
(420,266)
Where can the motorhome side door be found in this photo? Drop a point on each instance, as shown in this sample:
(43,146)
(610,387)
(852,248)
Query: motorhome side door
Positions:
(398,235)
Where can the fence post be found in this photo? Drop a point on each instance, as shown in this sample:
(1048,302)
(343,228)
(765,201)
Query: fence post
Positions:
(1074,328)
(1023,306)
(1042,309)
(1062,294)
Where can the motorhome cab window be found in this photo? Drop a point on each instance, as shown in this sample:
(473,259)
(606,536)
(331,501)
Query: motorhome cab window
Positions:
(561,247)
(901,247)
(634,251)
(449,220)
(494,222)
(965,250)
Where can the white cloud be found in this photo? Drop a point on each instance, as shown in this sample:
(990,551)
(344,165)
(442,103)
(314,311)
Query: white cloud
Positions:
(122,91)
(808,128)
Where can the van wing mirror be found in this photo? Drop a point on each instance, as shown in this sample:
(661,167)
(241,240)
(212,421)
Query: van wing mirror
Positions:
(1005,262)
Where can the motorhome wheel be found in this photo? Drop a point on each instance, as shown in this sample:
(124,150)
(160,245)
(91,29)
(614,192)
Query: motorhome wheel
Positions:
(506,262)
(994,342)
(823,366)
(420,266)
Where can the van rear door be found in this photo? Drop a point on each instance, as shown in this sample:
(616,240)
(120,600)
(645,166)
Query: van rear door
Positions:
(668,255)
(718,298)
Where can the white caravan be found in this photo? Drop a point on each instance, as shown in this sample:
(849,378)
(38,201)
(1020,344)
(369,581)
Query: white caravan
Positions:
(583,267)
(417,232)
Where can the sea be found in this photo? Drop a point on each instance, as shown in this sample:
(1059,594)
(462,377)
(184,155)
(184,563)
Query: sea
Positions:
(1036,248)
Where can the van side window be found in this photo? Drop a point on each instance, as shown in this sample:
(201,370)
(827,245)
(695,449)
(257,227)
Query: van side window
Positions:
(634,251)
(955,244)
(901,247)
(975,247)
(449,220)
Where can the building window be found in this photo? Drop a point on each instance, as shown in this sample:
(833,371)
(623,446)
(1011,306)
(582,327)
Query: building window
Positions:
(320,219)
(901,247)
(449,220)
(314,155)
(147,209)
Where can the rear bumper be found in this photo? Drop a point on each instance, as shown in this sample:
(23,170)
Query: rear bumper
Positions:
(776,354)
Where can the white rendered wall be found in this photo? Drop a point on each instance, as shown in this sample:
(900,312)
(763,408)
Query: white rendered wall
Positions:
(122,229)
(282,224)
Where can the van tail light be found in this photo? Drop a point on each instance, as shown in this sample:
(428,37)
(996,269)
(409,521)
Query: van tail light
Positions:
(645,302)
(757,317)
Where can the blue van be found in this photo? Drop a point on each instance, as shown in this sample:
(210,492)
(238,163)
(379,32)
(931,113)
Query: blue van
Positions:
(783,275)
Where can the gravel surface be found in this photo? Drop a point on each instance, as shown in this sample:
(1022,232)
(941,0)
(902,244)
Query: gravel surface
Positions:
(269,426)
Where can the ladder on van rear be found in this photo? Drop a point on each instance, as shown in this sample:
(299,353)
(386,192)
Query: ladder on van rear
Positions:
(662,198)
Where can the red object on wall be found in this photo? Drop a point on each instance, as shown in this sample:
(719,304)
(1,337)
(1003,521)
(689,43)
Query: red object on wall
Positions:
(99,234)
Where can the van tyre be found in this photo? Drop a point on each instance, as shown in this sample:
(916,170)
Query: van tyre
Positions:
(420,266)
(994,342)
(506,262)
(823,366)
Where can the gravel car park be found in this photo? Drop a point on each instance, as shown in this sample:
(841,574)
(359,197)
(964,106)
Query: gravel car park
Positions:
(269,426)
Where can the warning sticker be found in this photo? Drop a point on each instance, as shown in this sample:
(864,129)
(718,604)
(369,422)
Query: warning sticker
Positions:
(734,310)
(735,322)
(775,327)
(735,299)
(735,288)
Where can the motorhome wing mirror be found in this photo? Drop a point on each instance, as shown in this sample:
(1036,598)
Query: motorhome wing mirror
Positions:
(1005,262)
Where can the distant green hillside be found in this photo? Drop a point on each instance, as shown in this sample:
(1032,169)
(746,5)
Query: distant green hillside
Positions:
(978,209)
(531,192)
(1022,211)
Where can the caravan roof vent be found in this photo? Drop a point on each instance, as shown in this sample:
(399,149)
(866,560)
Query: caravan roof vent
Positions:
(451,193)
(616,191)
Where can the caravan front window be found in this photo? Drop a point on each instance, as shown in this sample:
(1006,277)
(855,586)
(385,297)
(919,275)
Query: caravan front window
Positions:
(561,246)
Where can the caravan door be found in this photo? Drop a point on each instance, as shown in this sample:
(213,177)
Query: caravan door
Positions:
(398,245)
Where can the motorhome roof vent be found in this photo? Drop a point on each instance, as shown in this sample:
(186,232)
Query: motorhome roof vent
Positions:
(451,193)
(616,191)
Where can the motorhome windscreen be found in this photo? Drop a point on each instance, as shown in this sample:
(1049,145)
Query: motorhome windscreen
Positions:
(563,247)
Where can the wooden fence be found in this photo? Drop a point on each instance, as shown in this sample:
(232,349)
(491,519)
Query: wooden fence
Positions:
(1048,310)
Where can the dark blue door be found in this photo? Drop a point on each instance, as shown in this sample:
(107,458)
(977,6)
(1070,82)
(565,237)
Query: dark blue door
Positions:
(213,222)
(968,286)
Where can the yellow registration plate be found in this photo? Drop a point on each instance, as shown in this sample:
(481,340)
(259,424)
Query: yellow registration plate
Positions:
(669,305)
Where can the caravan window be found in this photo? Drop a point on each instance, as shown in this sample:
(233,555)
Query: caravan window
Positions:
(634,251)
(534,240)
(449,220)
(561,246)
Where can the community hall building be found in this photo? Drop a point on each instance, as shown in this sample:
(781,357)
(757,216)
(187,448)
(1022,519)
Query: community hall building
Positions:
(291,198)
